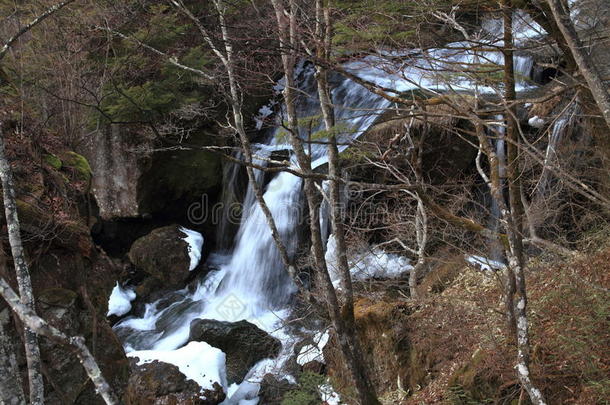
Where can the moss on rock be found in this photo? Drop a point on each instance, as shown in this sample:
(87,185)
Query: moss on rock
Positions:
(52,160)
(182,176)
(59,297)
(79,164)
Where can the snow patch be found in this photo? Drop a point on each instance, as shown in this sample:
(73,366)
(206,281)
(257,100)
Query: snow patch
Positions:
(314,352)
(263,113)
(198,361)
(120,299)
(523,370)
(195,243)
(329,395)
(536,122)
(484,263)
(378,264)
(374,263)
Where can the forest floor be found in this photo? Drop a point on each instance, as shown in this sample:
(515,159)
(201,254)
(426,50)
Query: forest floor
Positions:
(451,346)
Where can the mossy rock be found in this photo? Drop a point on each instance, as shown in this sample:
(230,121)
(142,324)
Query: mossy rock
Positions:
(30,215)
(58,297)
(79,164)
(175,177)
(52,160)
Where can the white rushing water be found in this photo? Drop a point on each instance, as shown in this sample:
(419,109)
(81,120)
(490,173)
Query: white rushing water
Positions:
(249,281)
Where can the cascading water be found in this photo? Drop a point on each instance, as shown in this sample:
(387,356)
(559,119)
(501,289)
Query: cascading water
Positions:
(249,281)
(558,129)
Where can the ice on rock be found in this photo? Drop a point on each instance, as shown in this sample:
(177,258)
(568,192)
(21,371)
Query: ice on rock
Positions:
(120,299)
(332,261)
(379,264)
(198,361)
(195,244)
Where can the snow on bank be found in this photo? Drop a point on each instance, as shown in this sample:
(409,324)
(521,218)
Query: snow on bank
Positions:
(328,394)
(484,263)
(536,122)
(120,299)
(374,263)
(379,264)
(195,244)
(198,361)
(314,352)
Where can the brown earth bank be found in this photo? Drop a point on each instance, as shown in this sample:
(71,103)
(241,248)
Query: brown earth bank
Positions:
(450,347)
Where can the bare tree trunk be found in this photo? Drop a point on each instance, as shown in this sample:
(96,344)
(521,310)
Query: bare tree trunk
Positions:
(36,383)
(561,15)
(11,388)
(421,235)
(514,234)
(32,351)
(225,55)
(41,327)
(323,36)
(342,320)
(517,300)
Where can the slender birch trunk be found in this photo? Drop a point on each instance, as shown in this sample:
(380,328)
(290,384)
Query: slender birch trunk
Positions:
(41,327)
(50,11)
(36,383)
(514,224)
(32,351)
(226,57)
(11,388)
(342,320)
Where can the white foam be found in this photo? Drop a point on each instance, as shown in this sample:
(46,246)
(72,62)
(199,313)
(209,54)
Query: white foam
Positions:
(484,263)
(314,352)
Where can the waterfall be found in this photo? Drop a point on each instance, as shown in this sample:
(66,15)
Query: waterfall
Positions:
(248,280)
(497,132)
(231,197)
(558,130)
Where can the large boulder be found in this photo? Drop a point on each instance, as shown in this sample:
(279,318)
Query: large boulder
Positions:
(159,383)
(133,180)
(163,254)
(243,343)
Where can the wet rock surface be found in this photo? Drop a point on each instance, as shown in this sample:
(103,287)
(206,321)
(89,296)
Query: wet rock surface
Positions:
(243,343)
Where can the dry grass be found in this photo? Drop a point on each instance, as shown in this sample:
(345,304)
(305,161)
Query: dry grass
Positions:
(450,347)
